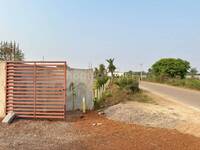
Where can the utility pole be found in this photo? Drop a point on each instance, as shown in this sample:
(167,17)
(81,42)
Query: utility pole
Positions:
(141,66)
(90,65)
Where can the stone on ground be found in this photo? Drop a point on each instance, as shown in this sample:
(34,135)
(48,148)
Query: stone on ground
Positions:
(9,117)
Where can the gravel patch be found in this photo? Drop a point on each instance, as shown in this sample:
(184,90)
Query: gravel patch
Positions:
(145,114)
(30,134)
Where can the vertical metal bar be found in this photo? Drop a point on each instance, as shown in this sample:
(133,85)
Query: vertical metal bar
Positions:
(6,88)
(65,90)
(34,80)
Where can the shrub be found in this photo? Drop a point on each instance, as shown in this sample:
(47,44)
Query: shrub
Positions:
(187,83)
(128,83)
(100,81)
(97,103)
(192,83)
(100,103)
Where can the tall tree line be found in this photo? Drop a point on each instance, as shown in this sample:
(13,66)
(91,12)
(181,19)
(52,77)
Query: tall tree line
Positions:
(10,51)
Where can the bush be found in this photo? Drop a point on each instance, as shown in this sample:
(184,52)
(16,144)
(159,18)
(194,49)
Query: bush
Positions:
(97,103)
(188,83)
(193,83)
(115,95)
(100,103)
(128,83)
(100,81)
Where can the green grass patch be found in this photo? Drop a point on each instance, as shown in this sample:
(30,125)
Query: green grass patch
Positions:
(186,83)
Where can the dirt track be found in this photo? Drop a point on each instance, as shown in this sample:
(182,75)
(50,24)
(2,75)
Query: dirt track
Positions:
(79,133)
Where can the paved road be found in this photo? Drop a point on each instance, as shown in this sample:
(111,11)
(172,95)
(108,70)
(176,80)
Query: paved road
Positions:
(189,97)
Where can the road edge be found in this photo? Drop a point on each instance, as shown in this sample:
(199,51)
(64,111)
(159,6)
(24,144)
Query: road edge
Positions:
(169,99)
(171,86)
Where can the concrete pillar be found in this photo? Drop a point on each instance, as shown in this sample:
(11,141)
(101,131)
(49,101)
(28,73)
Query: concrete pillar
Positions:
(2,89)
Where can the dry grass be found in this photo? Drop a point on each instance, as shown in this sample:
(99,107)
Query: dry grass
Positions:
(115,95)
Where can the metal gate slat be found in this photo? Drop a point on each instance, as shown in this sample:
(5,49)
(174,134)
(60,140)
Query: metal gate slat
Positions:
(36,89)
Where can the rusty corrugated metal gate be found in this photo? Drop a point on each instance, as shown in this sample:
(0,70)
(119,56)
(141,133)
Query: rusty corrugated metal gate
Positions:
(36,89)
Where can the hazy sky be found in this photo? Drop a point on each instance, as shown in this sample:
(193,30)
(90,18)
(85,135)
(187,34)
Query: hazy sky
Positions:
(89,31)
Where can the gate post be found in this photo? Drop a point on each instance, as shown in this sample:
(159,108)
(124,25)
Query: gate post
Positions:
(65,88)
(34,80)
(2,89)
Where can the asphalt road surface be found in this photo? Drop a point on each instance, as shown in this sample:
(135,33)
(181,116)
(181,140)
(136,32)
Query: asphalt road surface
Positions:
(188,97)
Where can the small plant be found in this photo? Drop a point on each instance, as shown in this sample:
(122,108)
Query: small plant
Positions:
(99,103)
(96,103)
(108,94)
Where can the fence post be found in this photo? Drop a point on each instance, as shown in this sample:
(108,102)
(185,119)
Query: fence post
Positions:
(84,105)
(95,93)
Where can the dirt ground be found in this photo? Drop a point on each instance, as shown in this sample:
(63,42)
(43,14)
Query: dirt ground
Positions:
(162,113)
(91,132)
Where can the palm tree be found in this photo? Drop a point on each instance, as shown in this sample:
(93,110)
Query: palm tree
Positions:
(111,66)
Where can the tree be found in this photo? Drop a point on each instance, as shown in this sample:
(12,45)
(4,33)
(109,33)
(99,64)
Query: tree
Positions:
(100,75)
(10,52)
(170,68)
(96,72)
(129,73)
(111,66)
(102,70)
(193,72)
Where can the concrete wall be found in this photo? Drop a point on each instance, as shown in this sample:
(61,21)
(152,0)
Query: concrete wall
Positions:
(83,87)
(195,76)
(2,89)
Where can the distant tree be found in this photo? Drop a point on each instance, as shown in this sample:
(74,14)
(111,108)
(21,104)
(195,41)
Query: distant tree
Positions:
(170,68)
(149,71)
(10,52)
(193,72)
(129,73)
(111,66)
